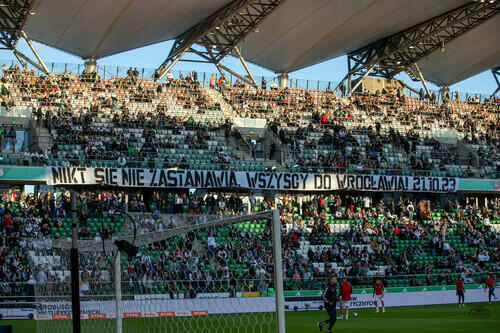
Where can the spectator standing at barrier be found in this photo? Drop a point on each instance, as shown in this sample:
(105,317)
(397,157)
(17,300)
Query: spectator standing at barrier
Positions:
(220,83)
(259,149)
(470,158)
(272,150)
(421,94)
(8,224)
(190,292)
(212,81)
(212,245)
(122,161)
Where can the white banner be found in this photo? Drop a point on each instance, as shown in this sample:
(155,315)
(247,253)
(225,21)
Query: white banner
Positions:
(164,178)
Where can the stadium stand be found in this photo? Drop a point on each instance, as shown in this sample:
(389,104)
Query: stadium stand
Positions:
(134,122)
(409,242)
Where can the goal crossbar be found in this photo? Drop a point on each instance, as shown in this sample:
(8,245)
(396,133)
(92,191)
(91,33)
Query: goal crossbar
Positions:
(156,236)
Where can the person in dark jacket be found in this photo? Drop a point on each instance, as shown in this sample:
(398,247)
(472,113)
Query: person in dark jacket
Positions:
(329,297)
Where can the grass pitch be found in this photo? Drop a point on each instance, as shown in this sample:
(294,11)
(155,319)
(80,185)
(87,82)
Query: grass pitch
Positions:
(429,319)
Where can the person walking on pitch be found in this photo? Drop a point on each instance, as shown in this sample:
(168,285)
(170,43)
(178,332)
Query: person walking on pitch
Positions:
(378,294)
(345,292)
(461,292)
(329,297)
(490,284)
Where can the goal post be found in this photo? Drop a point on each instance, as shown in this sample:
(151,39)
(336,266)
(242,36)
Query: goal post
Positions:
(140,294)
(278,271)
(118,293)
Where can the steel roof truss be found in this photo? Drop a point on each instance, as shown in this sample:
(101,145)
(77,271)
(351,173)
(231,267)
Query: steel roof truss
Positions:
(496,75)
(398,52)
(220,33)
(13,16)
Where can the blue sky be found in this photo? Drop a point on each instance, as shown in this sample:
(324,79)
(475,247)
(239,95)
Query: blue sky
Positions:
(152,56)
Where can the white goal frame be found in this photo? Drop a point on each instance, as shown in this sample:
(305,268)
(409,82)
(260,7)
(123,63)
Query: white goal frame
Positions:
(152,237)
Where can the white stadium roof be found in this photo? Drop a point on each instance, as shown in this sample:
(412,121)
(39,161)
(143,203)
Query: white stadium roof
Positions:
(476,51)
(296,35)
(99,28)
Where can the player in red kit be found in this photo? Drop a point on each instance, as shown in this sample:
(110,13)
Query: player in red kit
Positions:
(490,284)
(378,294)
(460,292)
(345,298)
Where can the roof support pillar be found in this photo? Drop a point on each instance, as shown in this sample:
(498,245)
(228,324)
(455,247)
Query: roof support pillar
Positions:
(169,66)
(421,76)
(341,85)
(21,60)
(222,73)
(404,85)
(220,67)
(28,60)
(283,80)
(14,16)
(242,78)
(495,92)
(32,47)
(90,65)
(243,62)
(361,79)
(349,77)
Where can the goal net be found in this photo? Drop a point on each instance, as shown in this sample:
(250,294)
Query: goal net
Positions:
(191,273)
(52,292)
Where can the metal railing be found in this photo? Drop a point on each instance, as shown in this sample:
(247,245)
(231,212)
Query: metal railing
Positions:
(16,111)
(109,71)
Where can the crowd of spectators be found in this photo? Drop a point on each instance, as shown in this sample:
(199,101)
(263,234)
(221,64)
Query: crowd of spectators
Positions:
(120,121)
(125,122)
(135,122)
(28,221)
(419,241)
(389,132)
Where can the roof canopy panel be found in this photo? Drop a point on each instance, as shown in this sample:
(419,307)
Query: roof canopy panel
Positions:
(476,51)
(98,28)
(298,34)
(303,33)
